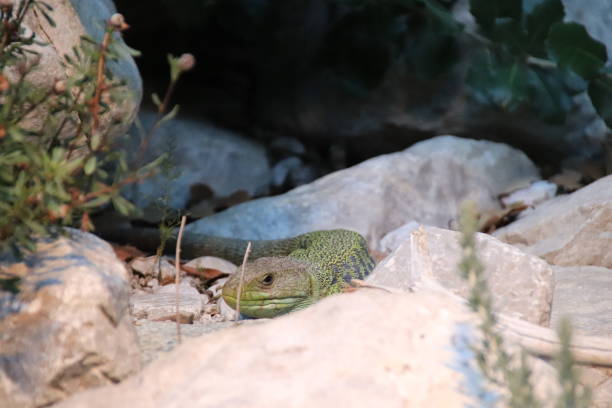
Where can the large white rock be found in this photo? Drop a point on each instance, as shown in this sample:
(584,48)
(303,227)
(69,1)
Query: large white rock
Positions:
(365,349)
(69,328)
(582,293)
(521,284)
(573,230)
(425,183)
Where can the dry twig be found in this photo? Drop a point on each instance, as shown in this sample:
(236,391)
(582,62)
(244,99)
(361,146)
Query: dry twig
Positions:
(177,278)
(241,281)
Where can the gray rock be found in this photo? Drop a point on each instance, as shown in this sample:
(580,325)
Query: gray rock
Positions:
(582,293)
(364,349)
(201,154)
(572,230)
(394,239)
(426,183)
(521,284)
(73,20)
(69,328)
(161,305)
(158,338)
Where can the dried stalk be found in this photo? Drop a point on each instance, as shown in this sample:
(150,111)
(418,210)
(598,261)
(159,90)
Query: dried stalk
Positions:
(241,281)
(177,278)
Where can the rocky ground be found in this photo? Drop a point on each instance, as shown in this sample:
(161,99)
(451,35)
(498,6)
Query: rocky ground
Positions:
(90,315)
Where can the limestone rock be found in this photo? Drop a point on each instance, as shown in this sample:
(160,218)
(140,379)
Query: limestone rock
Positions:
(212,262)
(339,352)
(161,305)
(572,230)
(522,284)
(158,338)
(156,267)
(425,183)
(74,19)
(69,328)
(536,193)
(201,154)
(394,239)
(582,293)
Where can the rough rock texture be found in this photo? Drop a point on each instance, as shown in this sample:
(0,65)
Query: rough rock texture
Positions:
(69,329)
(582,293)
(158,338)
(570,230)
(201,154)
(522,284)
(74,19)
(161,305)
(426,183)
(153,266)
(364,349)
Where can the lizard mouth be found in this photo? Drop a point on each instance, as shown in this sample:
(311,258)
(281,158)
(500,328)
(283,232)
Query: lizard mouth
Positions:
(268,307)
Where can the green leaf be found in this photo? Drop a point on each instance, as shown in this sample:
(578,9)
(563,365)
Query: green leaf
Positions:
(540,18)
(96,139)
(155,99)
(600,92)
(90,165)
(122,205)
(168,116)
(571,46)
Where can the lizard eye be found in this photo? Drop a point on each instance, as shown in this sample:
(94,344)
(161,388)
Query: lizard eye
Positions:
(268,279)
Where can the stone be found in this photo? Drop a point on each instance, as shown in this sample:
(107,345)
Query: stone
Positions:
(521,284)
(200,154)
(339,352)
(161,305)
(536,193)
(425,183)
(570,230)
(582,293)
(69,328)
(74,19)
(155,267)
(394,239)
(158,338)
(212,262)
(602,395)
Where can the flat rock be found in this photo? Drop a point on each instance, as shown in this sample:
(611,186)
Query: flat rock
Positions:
(69,328)
(155,267)
(582,293)
(522,284)
(571,230)
(425,183)
(161,305)
(212,262)
(339,352)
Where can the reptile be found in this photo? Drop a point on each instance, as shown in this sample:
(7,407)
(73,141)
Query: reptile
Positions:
(282,275)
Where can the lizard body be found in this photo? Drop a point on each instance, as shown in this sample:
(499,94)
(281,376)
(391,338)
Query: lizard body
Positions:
(283,274)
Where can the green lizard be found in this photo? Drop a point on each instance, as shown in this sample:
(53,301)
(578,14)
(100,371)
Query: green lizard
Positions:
(284,274)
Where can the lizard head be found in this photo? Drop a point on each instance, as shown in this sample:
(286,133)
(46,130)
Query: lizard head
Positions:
(272,286)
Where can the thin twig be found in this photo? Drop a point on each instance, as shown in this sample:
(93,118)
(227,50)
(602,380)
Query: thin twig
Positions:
(241,281)
(177,278)
(100,86)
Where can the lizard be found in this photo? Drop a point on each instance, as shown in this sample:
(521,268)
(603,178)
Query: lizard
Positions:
(284,274)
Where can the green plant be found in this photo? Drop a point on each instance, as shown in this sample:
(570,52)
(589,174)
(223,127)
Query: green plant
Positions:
(56,173)
(521,55)
(499,368)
